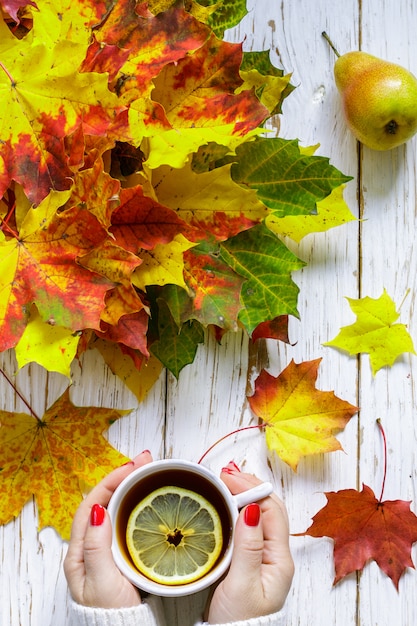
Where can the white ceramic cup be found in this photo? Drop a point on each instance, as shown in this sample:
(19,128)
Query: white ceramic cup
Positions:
(185,474)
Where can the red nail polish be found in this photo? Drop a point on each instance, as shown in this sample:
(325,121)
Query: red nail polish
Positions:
(252,514)
(145,452)
(236,467)
(97,515)
(228,470)
(128,463)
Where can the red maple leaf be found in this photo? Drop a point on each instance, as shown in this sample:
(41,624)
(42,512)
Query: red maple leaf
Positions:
(273,329)
(141,222)
(365,528)
(150,42)
(129,331)
(14,7)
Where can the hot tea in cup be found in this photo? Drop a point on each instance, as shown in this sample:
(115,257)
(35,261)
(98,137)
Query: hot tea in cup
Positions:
(173,525)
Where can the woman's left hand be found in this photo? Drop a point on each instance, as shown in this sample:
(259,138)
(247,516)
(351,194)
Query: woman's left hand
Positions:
(262,568)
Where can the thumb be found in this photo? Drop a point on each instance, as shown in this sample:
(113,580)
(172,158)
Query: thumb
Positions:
(249,543)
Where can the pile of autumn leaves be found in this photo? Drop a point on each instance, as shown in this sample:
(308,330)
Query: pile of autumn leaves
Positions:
(142,202)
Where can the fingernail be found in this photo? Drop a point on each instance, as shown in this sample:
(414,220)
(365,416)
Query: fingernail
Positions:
(252,514)
(231,468)
(145,452)
(97,515)
(127,463)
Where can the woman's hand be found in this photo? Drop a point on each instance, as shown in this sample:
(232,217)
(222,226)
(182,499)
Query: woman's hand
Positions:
(92,575)
(262,568)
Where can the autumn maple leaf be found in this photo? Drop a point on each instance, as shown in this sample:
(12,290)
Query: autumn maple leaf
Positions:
(215,288)
(273,329)
(39,267)
(300,419)
(140,222)
(209,201)
(364,528)
(49,458)
(374,332)
(13,7)
(45,99)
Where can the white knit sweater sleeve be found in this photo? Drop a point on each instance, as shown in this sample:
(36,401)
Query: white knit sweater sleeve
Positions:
(274,619)
(149,613)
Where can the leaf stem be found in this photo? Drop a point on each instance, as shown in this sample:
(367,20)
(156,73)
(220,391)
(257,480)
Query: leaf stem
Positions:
(9,76)
(11,207)
(330,42)
(404,298)
(378,421)
(17,392)
(234,432)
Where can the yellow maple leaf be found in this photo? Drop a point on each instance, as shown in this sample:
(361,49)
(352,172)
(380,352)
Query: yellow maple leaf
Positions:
(49,458)
(331,212)
(55,20)
(163,265)
(198,197)
(53,347)
(374,332)
(301,420)
(200,97)
(138,381)
(272,86)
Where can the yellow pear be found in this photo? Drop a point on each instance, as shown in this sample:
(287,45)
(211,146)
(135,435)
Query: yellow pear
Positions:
(379,99)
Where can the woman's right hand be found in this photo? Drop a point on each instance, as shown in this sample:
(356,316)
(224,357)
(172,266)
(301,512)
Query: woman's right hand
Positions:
(92,575)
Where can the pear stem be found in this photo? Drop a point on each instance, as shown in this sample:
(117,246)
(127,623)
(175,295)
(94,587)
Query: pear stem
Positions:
(330,42)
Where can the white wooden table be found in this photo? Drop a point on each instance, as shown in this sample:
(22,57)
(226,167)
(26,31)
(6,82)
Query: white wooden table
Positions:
(182,418)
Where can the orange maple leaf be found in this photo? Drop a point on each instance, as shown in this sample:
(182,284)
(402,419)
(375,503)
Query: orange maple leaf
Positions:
(50,458)
(365,528)
(202,86)
(39,265)
(301,419)
(45,99)
(151,41)
(215,288)
(95,189)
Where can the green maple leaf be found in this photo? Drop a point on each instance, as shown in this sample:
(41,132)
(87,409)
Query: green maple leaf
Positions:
(266,263)
(374,332)
(287,181)
(227,14)
(175,346)
(271,86)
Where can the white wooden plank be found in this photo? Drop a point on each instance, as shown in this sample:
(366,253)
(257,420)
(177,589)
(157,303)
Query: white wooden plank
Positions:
(312,114)
(389,261)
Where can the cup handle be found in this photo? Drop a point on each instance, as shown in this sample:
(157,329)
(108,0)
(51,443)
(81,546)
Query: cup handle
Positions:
(253,495)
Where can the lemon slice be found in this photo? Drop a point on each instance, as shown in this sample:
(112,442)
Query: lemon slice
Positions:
(174,536)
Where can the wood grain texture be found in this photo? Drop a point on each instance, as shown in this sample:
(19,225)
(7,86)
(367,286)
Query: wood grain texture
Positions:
(183,418)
